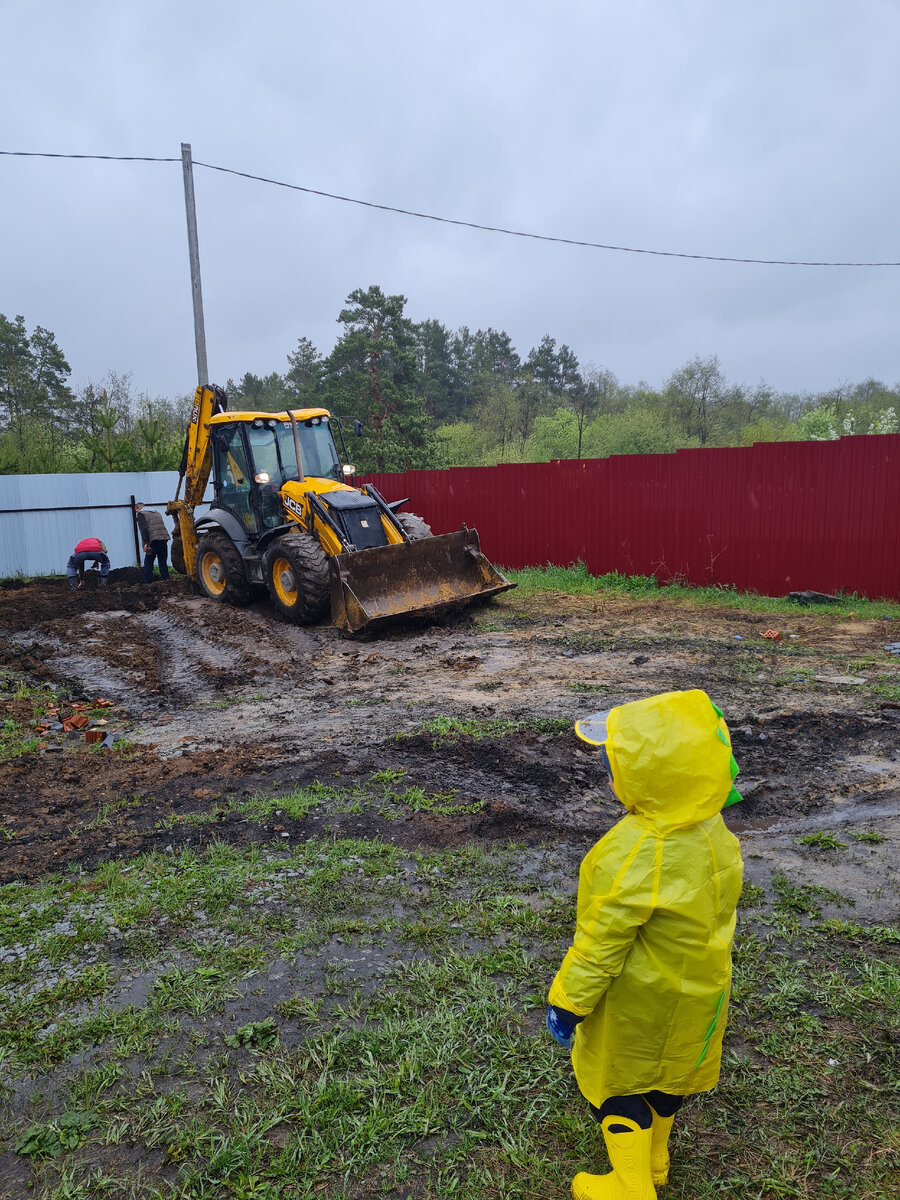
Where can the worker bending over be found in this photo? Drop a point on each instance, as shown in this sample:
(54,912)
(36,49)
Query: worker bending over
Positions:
(88,550)
(641,997)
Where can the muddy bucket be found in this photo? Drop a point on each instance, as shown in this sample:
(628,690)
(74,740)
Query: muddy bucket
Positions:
(411,579)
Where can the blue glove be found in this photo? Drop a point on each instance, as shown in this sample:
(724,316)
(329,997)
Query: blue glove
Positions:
(561,1025)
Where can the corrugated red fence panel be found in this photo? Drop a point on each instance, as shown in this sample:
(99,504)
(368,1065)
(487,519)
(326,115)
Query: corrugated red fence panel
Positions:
(773,517)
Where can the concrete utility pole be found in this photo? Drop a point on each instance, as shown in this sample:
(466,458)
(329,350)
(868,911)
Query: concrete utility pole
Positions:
(194,252)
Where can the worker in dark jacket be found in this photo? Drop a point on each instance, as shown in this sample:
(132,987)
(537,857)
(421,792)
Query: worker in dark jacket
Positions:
(88,550)
(155,539)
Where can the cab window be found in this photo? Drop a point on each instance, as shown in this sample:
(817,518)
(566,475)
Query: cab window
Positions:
(232,473)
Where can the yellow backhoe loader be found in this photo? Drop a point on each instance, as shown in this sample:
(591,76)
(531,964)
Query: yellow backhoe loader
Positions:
(285,516)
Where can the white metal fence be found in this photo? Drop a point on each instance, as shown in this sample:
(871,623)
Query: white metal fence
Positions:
(43,517)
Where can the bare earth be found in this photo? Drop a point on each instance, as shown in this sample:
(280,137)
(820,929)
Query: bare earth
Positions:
(219,703)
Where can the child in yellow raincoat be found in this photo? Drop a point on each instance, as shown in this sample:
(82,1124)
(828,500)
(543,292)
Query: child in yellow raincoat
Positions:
(641,997)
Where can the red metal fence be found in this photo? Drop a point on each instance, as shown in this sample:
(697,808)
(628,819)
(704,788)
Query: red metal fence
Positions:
(773,517)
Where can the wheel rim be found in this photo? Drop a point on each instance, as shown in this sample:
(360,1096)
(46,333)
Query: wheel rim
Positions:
(212,572)
(284,582)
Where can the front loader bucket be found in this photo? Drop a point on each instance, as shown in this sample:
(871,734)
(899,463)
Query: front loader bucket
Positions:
(411,579)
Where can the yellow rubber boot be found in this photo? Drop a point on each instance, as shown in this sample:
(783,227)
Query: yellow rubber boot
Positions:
(629,1153)
(659,1148)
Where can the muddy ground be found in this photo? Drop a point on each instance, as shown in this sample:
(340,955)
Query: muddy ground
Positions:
(213,704)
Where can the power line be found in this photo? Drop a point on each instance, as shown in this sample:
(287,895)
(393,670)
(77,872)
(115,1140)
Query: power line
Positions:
(405,212)
(100,157)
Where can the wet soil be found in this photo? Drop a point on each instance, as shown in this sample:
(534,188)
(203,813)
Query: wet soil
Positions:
(214,704)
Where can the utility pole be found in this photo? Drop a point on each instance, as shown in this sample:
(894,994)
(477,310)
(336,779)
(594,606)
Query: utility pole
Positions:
(194,252)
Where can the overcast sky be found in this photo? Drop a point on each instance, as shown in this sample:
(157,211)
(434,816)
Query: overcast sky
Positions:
(764,130)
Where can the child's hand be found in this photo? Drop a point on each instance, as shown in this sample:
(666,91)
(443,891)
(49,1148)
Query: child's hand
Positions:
(561,1025)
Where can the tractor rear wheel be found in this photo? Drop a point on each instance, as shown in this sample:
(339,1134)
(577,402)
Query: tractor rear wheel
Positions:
(220,570)
(178,554)
(414,527)
(297,578)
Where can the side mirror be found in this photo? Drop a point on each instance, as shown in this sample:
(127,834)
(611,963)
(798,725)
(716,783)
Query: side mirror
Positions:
(357,428)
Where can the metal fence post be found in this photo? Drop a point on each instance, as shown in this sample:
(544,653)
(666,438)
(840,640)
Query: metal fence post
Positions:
(134,527)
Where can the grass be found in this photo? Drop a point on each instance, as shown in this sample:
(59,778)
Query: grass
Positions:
(448,730)
(14,740)
(821,841)
(345,1018)
(576,580)
(25,704)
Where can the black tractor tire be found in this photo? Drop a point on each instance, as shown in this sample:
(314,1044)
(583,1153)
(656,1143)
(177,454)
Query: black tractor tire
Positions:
(220,570)
(414,527)
(297,578)
(177,554)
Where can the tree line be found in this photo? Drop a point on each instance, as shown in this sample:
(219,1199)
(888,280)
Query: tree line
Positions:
(427,396)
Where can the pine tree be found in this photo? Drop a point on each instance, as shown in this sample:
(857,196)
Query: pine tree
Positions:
(371,376)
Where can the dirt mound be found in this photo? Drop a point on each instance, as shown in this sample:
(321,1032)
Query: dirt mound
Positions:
(28,605)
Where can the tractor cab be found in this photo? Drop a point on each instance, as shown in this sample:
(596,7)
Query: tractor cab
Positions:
(254,456)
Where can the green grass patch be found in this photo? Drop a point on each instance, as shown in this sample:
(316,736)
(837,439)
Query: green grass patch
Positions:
(346,1018)
(448,730)
(576,580)
(821,841)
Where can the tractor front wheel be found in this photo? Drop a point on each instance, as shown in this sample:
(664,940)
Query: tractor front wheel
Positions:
(414,527)
(220,570)
(297,578)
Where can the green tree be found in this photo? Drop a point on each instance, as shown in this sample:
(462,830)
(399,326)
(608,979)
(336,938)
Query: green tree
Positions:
(532,399)
(258,393)
(155,446)
(434,361)
(494,354)
(303,382)
(462,444)
(695,394)
(33,390)
(107,442)
(498,416)
(593,393)
(556,369)
(371,375)
(635,431)
(555,435)
(462,397)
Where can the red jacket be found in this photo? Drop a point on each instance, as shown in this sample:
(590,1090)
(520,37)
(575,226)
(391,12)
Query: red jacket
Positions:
(87,544)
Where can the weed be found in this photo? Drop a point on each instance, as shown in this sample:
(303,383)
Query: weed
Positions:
(803,899)
(387,777)
(821,841)
(65,1133)
(14,742)
(437,802)
(230,701)
(448,730)
(296,805)
(257,1035)
(869,835)
(751,895)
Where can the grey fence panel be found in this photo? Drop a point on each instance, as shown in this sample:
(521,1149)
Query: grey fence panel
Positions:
(42,517)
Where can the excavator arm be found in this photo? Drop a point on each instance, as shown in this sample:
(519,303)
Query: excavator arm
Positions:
(196,463)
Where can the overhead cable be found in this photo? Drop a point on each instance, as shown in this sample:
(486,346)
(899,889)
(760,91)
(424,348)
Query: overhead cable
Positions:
(406,212)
